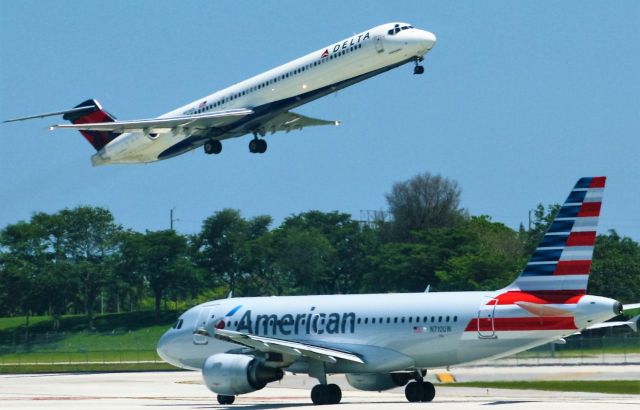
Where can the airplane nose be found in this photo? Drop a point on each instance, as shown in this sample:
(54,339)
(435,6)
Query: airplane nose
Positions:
(162,348)
(428,39)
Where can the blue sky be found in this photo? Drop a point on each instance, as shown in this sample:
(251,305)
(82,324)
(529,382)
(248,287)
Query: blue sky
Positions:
(518,100)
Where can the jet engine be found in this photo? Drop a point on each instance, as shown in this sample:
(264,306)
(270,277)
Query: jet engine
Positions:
(377,381)
(232,374)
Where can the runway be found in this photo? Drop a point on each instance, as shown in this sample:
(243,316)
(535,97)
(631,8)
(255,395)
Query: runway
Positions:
(184,390)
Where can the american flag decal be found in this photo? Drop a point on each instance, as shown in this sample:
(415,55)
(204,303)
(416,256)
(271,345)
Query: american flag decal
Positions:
(419,329)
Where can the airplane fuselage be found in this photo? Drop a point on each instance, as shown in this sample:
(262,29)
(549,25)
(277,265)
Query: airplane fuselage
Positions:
(276,91)
(390,331)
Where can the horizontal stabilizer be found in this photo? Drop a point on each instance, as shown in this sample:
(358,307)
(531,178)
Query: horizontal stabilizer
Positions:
(632,323)
(543,310)
(77,110)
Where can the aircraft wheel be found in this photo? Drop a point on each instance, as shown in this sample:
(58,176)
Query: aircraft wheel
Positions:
(413,392)
(428,391)
(213,147)
(319,394)
(418,69)
(335,394)
(253,146)
(261,146)
(223,399)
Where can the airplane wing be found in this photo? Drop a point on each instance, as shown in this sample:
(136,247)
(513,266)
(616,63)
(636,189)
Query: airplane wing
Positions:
(296,349)
(289,121)
(206,120)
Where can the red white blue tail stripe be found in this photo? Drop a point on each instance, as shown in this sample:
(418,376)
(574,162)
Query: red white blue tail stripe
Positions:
(562,260)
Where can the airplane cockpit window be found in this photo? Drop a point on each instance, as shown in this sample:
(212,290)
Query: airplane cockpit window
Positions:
(178,324)
(396,29)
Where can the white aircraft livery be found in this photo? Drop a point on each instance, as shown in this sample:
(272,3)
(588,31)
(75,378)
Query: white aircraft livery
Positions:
(382,341)
(256,106)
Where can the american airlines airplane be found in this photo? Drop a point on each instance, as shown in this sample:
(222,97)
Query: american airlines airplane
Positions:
(383,341)
(256,106)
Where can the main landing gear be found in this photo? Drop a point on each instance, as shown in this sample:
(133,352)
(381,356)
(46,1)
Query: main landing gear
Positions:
(257,146)
(418,69)
(419,391)
(222,399)
(326,394)
(213,147)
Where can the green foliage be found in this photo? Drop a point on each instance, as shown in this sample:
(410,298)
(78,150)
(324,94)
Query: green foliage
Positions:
(616,268)
(79,261)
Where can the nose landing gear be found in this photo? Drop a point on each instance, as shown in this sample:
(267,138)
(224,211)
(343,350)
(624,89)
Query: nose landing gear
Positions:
(418,69)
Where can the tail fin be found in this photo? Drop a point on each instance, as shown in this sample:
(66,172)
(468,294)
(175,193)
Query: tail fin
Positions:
(562,260)
(93,113)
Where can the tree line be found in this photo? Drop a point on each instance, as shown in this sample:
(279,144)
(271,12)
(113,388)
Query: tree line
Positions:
(80,261)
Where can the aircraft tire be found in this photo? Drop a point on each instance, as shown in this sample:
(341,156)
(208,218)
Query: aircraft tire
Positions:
(224,399)
(413,392)
(428,392)
(319,394)
(213,147)
(334,393)
(261,145)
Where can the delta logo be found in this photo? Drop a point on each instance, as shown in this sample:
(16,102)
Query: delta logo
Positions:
(346,44)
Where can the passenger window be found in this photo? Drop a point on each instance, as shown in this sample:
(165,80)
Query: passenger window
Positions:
(358,320)
(447,318)
(373,320)
(388,320)
(395,320)
(455,318)
(439,319)
(411,320)
(366,320)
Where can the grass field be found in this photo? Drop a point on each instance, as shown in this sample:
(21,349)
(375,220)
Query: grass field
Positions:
(117,340)
(593,386)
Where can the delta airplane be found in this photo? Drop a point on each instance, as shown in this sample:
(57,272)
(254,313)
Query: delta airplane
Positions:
(384,341)
(256,106)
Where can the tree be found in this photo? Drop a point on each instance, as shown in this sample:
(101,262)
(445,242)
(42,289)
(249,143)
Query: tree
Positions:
(422,202)
(222,245)
(305,258)
(616,268)
(411,266)
(23,266)
(351,243)
(88,239)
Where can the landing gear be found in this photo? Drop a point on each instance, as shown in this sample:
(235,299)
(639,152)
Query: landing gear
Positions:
(213,147)
(418,69)
(222,399)
(326,394)
(419,391)
(257,146)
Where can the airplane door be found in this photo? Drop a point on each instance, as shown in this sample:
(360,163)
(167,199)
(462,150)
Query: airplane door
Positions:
(486,319)
(205,318)
(378,43)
